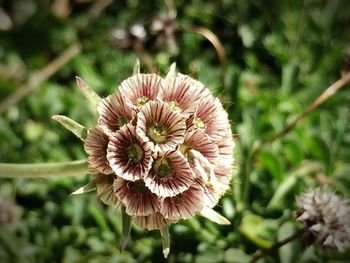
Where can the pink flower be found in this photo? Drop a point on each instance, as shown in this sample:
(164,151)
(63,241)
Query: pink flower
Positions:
(114,111)
(96,146)
(160,127)
(128,158)
(141,88)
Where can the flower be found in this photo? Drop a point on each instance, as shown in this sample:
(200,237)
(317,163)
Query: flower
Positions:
(327,217)
(161,149)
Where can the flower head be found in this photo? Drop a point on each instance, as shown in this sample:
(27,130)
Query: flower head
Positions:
(327,217)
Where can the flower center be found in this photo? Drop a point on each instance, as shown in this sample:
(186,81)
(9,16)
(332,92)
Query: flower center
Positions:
(122,120)
(139,186)
(157,133)
(135,153)
(199,123)
(141,101)
(185,150)
(174,106)
(162,167)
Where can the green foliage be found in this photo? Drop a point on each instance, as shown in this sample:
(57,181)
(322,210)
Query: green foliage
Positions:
(280,56)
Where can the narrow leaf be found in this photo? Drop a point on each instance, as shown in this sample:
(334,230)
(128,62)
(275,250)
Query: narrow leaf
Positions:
(77,129)
(166,240)
(136,68)
(172,71)
(91,95)
(126,227)
(91,186)
(214,216)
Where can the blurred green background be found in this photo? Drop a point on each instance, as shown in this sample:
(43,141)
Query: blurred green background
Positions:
(280,56)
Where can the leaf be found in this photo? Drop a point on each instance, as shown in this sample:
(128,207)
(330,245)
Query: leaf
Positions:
(214,216)
(126,227)
(91,95)
(290,252)
(272,164)
(136,68)
(91,186)
(77,129)
(164,231)
(236,255)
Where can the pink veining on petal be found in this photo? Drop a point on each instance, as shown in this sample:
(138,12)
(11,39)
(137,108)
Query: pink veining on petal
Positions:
(183,91)
(150,222)
(157,114)
(178,180)
(138,200)
(128,158)
(210,194)
(199,141)
(182,206)
(114,111)
(140,88)
(96,146)
(211,118)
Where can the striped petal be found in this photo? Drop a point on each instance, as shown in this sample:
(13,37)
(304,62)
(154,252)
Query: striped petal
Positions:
(114,111)
(141,88)
(127,157)
(160,127)
(182,93)
(182,206)
(138,200)
(104,188)
(170,175)
(150,222)
(96,147)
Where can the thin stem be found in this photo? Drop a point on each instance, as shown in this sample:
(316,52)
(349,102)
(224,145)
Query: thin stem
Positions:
(41,76)
(44,170)
(329,92)
(277,245)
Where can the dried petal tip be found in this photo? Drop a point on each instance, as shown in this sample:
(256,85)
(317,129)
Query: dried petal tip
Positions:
(327,217)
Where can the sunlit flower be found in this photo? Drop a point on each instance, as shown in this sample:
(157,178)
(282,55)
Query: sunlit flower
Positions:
(127,157)
(137,198)
(114,111)
(160,127)
(327,217)
(96,146)
(170,175)
(141,88)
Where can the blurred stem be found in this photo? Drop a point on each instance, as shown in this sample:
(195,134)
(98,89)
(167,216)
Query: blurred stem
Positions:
(44,170)
(41,76)
(329,92)
(126,228)
(277,245)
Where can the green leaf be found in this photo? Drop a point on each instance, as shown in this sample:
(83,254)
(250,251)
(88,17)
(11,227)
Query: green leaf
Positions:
(91,186)
(236,255)
(164,231)
(91,96)
(172,71)
(126,227)
(214,216)
(77,129)
(136,68)
(290,252)
(272,164)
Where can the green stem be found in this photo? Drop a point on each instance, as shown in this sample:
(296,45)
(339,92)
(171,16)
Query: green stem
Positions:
(44,170)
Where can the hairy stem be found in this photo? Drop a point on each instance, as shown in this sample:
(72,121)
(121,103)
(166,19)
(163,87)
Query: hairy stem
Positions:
(277,245)
(44,170)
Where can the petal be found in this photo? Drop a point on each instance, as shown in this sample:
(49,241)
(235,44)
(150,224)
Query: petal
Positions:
(182,206)
(178,180)
(160,127)
(104,188)
(138,200)
(183,92)
(127,157)
(96,146)
(151,222)
(140,88)
(114,111)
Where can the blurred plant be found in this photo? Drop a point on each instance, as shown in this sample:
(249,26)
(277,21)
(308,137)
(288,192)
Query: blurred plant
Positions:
(8,211)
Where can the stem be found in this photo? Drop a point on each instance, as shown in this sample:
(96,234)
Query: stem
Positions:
(329,92)
(277,245)
(44,170)
(41,76)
